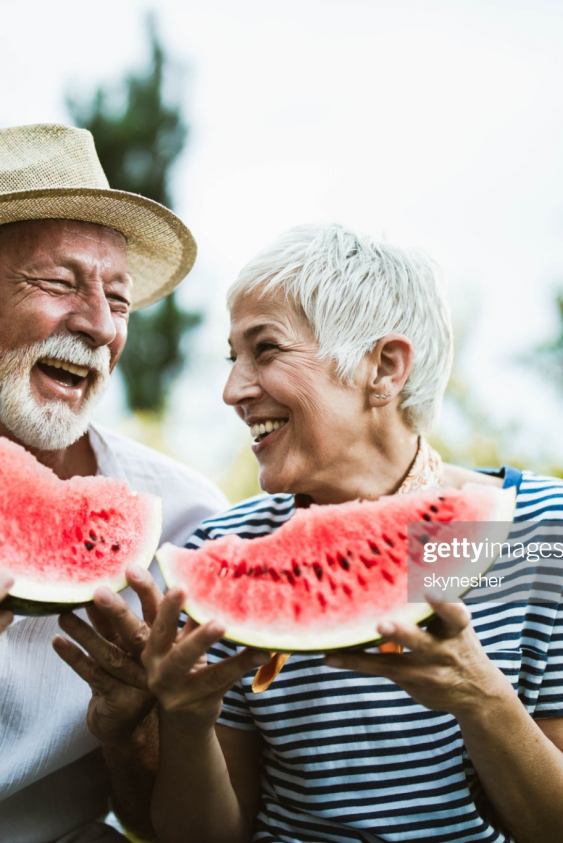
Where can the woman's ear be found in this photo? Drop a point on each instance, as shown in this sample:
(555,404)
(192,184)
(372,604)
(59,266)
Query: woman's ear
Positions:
(390,363)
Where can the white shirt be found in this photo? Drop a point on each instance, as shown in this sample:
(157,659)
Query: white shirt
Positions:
(51,778)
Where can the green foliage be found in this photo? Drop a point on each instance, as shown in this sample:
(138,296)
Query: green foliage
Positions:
(137,145)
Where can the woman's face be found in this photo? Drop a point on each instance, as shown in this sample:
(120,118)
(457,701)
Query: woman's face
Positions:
(311,434)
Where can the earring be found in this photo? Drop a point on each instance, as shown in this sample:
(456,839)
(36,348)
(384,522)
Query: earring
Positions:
(388,395)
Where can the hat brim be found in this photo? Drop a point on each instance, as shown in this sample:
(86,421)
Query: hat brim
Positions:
(160,248)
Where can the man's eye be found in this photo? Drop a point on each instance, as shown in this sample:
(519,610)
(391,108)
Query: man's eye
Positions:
(119,303)
(231,358)
(60,282)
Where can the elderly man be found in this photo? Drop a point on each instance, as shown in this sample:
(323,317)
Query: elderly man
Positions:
(75,258)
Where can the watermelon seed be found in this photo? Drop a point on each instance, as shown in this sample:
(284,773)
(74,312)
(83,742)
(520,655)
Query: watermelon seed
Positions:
(440,498)
(99,554)
(296,568)
(307,586)
(88,545)
(402,536)
(73,549)
(394,558)
(426,517)
(388,541)
(318,571)
(361,580)
(343,562)
(330,560)
(115,546)
(92,535)
(433,508)
(321,599)
(250,572)
(223,572)
(389,577)
(274,575)
(347,590)
(423,539)
(332,584)
(369,563)
(374,548)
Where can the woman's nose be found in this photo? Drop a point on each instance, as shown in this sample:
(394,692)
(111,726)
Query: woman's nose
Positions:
(242,385)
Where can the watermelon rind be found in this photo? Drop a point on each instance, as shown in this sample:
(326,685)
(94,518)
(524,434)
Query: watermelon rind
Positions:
(29,596)
(357,635)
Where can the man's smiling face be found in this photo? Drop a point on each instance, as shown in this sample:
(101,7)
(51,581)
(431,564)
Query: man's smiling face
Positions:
(65,296)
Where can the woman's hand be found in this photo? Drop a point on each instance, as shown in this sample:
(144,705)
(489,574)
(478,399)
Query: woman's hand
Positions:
(189,690)
(446,668)
(6,582)
(121,699)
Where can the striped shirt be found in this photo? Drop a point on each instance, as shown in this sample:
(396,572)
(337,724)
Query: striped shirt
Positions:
(350,757)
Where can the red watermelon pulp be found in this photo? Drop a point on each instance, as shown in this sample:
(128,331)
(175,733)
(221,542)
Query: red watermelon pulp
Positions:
(62,539)
(330,574)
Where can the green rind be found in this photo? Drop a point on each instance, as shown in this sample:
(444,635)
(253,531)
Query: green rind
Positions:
(38,608)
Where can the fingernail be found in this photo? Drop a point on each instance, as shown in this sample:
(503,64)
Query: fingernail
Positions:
(215,628)
(386,628)
(60,643)
(136,572)
(6,580)
(104,596)
(259,659)
(433,596)
(334,661)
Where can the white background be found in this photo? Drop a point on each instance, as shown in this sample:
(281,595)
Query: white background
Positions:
(426,122)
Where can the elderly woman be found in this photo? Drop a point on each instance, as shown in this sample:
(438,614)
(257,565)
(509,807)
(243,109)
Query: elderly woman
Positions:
(341,350)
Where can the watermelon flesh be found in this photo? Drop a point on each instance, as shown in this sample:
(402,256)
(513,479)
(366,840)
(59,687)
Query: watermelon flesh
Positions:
(330,574)
(62,539)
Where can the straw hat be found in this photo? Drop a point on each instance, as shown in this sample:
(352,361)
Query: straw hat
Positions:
(53,172)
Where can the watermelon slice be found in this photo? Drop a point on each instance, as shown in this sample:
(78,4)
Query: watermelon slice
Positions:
(330,574)
(62,539)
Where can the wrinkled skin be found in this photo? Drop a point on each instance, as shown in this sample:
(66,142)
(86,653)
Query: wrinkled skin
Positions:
(63,278)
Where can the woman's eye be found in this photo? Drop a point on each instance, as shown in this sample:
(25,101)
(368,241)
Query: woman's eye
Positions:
(265,346)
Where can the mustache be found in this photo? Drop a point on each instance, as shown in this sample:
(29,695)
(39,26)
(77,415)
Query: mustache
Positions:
(73,350)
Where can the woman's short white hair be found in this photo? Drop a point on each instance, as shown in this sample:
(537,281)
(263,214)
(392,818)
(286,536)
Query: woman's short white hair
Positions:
(354,291)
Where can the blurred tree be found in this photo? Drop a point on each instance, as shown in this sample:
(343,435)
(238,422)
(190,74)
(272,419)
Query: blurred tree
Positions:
(137,145)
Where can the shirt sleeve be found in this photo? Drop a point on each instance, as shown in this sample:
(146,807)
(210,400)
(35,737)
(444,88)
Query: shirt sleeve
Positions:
(235,711)
(550,696)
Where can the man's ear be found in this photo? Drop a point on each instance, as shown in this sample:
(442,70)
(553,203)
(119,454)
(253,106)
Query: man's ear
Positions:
(390,363)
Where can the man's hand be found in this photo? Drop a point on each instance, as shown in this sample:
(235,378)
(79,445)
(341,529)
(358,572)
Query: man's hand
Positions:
(6,582)
(446,668)
(120,696)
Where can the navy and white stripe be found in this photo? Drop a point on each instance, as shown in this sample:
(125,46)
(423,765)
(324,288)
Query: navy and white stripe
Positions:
(348,757)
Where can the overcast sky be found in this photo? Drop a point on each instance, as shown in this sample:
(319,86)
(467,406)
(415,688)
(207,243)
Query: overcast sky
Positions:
(425,122)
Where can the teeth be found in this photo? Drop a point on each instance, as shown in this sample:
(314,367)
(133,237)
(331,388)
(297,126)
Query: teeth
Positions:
(68,367)
(266,427)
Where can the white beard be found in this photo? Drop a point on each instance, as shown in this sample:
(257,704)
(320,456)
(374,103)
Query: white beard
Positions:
(49,425)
